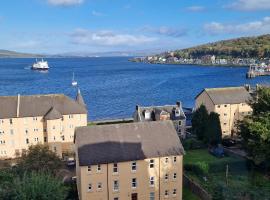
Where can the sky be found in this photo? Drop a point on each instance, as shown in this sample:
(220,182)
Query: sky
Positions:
(67,26)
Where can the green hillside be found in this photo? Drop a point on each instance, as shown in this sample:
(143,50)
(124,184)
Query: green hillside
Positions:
(13,54)
(245,47)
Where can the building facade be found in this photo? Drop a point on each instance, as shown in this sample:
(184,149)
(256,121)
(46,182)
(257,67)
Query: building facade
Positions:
(39,119)
(129,161)
(161,113)
(230,103)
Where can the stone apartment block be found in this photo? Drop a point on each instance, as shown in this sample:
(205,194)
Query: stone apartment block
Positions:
(39,119)
(161,113)
(129,161)
(230,103)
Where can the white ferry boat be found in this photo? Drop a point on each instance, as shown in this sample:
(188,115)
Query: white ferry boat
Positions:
(40,65)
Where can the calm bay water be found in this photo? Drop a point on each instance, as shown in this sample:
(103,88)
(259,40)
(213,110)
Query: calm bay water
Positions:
(112,87)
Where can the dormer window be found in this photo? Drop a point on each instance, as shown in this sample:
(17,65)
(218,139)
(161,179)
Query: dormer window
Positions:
(177,113)
(147,114)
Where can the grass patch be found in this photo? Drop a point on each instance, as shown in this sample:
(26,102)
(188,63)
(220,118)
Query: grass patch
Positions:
(188,195)
(242,183)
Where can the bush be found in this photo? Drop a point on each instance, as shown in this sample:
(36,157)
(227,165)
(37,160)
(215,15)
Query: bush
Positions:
(193,143)
(199,168)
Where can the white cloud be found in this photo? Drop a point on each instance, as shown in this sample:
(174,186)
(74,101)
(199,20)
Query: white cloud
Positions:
(165,31)
(250,5)
(108,38)
(98,14)
(64,2)
(195,8)
(254,27)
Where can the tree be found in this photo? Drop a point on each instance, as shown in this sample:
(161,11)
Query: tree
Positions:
(199,122)
(213,133)
(38,186)
(255,129)
(39,158)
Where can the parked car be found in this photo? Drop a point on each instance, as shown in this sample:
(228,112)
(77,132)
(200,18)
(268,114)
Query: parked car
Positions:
(71,162)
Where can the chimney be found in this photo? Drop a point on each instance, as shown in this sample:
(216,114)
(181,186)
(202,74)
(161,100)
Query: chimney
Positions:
(18,105)
(178,103)
(137,107)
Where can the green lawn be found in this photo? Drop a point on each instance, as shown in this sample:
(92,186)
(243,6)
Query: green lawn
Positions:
(188,195)
(241,182)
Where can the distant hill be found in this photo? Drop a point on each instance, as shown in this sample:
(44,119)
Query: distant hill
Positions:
(245,47)
(14,54)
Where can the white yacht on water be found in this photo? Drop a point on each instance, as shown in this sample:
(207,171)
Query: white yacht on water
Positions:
(74,83)
(40,65)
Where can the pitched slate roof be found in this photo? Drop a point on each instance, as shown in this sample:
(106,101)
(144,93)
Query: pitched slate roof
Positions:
(52,114)
(38,105)
(126,142)
(155,112)
(229,95)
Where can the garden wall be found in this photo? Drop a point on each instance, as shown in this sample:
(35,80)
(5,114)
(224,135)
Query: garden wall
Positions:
(196,188)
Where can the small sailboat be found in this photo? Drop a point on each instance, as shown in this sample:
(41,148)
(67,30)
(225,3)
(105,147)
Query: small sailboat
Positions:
(74,83)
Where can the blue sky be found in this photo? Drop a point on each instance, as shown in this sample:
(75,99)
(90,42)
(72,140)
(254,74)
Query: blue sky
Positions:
(60,26)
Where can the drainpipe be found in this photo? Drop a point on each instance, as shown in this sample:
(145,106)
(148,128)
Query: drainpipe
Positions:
(108,195)
(159,179)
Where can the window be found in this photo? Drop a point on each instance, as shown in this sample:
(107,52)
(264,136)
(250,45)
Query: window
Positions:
(116,185)
(115,198)
(166,177)
(10,121)
(11,132)
(53,127)
(218,106)
(152,196)
(225,114)
(166,193)
(174,176)
(166,160)
(98,168)
(152,181)
(134,183)
(152,163)
(26,131)
(225,105)
(225,124)
(174,192)
(27,141)
(180,123)
(89,168)
(115,168)
(45,139)
(134,166)
(174,159)
(99,186)
(89,187)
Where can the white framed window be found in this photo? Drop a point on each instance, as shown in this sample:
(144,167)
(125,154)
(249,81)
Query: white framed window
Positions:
(166,177)
(180,123)
(166,160)
(174,159)
(152,181)
(99,186)
(11,132)
(133,166)
(89,169)
(115,168)
(10,121)
(174,175)
(166,193)
(174,192)
(225,105)
(152,163)
(98,168)
(27,141)
(152,196)
(115,185)
(218,106)
(90,187)
(134,183)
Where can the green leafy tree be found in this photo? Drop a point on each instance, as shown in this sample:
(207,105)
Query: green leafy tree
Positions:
(255,129)
(39,158)
(213,133)
(199,122)
(39,186)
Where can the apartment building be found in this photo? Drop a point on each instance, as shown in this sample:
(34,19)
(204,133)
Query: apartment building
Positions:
(161,113)
(230,103)
(45,119)
(129,161)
